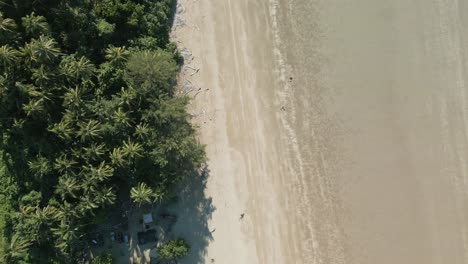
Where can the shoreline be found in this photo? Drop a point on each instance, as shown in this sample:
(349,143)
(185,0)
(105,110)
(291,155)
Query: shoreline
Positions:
(235,105)
(312,125)
(314,162)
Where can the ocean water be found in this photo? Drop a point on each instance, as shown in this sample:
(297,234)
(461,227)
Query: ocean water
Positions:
(375,93)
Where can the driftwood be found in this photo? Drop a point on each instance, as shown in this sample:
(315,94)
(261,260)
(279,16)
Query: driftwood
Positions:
(200,91)
(195,70)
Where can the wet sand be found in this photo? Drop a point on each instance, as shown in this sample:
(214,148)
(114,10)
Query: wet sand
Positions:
(361,157)
(383,87)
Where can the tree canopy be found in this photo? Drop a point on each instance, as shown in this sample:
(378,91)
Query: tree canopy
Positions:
(174,249)
(87,108)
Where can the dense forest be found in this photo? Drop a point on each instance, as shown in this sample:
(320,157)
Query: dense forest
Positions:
(87,112)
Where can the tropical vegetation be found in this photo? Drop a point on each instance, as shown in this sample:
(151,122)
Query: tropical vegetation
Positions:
(174,249)
(87,112)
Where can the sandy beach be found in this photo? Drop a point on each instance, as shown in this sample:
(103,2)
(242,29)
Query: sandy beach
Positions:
(232,47)
(336,132)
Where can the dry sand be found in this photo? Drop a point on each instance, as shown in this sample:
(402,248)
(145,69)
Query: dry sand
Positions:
(361,158)
(231,45)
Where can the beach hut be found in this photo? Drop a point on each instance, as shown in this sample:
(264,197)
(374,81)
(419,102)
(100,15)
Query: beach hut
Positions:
(147,219)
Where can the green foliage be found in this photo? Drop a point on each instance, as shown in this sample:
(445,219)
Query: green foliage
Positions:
(103,259)
(34,25)
(152,71)
(105,28)
(174,249)
(141,194)
(87,111)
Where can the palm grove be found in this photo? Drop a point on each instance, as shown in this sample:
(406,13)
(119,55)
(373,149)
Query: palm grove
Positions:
(88,112)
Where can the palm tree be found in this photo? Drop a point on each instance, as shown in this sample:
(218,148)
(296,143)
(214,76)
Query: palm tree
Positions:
(63,164)
(42,50)
(18,125)
(40,219)
(76,69)
(93,177)
(46,49)
(105,197)
(18,247)
(28,52)
(63,130)
(141,194)
(41,214)
(66,211)
(142,131)
(8,55)
(90,129)
(33,92)
(101,173)
(127,95)
(131,149)
(66,233)
(41,75)
(117,54)
(35,107)
(94,151)
(121,117)
(159,194)
(7,25)
(117,157)
(39,166)
(35,25)
(87,204)
(67,186)
(72,97)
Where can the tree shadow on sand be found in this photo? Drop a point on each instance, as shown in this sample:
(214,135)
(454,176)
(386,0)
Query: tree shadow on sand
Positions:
(193,211)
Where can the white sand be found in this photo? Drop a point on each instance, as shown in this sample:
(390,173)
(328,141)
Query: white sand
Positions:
(232,46)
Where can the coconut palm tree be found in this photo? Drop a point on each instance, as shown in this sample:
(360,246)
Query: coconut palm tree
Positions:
(67,186)
(18,125)
(127,95)
(7,25)
(63,130)
(66,233)
(72,97)
(120,117)
(35,107)
(66,211)
(64,165)
(94,151)
(8,55)
(35,25)
(42,215)
(141,194)
(131,149)
(39,219)
(90,129)
(105,197)
(18,248)
(40,166)
(41,75)
(117,157)
(117,54)
(46,49)
(33,92)
(76,69)
(100,174)
(159,194)
(41,50)
(141,131)
(87,204)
